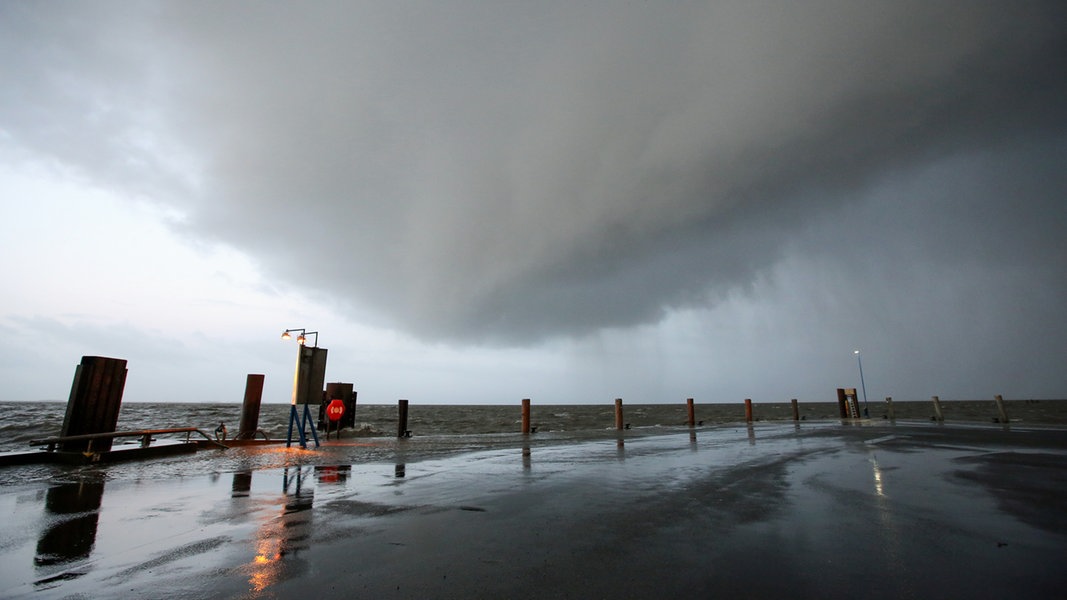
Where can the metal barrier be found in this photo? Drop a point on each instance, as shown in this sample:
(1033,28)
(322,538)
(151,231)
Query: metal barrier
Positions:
(144,434)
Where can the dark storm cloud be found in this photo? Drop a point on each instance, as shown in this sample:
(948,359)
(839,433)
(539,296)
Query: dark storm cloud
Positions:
(509,172)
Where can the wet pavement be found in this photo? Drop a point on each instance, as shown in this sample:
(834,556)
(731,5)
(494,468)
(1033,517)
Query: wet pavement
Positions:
(818,510)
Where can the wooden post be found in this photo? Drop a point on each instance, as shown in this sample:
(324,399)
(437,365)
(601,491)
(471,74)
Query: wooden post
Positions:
(618,414)
(748,410)
(841,403)
(690,412)
(250,407)
(402,420)
(889,407)
(525,416)
(1000,409)
(95,399)
(796,410)
(938,415)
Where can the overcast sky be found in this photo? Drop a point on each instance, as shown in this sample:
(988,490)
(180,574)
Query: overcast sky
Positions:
(477,202)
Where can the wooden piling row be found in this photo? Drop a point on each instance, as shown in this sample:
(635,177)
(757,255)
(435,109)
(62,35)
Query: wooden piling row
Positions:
(844,397)
(98,384)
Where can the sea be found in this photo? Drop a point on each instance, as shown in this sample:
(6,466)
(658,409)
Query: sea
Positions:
(21,423)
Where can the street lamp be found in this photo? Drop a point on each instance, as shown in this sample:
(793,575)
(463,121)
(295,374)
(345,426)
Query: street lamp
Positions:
(294,415)
(302,338)
(863,385)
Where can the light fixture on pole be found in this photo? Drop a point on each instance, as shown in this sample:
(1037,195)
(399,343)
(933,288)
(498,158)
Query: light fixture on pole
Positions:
(306,358)
(863,385)
(302,338)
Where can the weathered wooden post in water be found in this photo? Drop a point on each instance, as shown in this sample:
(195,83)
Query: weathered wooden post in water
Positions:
(748,410)
(889,408)
(526,432)
(402,420)
(796,410)
(938,415)
(250,407)
(95,399)
(618,414)
(841,403)
(1000,409)
(690,412)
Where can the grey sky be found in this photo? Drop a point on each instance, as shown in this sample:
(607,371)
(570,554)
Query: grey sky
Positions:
(736,193)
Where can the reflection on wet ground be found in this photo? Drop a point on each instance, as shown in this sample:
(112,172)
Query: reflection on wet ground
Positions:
(280,539)
(1027,485)
(73,533)
(911,508)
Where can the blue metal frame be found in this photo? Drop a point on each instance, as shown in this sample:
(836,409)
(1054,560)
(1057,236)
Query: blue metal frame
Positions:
(302,423)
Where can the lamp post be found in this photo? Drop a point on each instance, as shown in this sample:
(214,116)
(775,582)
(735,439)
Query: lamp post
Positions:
(294,415)
(863,385)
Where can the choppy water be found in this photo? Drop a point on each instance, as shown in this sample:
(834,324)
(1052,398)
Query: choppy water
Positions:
(22,422)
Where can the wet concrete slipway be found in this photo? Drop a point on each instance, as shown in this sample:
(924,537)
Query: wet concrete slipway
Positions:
(866,510)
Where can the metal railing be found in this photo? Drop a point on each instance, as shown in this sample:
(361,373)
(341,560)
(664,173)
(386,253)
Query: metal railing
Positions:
(144,434)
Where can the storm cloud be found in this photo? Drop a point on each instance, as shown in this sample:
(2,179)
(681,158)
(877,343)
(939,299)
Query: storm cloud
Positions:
(510,173)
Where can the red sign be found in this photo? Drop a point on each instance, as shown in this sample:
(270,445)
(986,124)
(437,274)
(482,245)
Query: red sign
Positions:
(335,409)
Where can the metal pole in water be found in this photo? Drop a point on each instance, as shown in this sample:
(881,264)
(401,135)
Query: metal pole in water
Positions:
(863,385)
